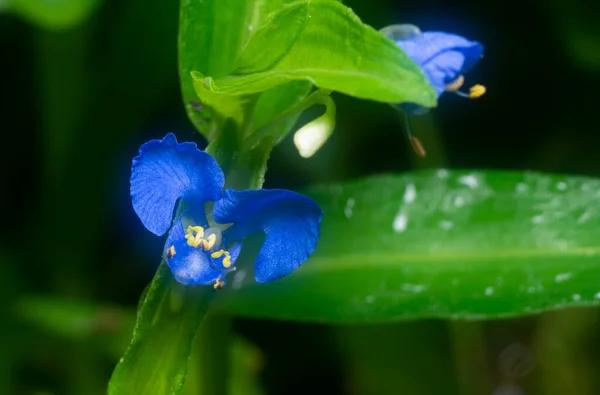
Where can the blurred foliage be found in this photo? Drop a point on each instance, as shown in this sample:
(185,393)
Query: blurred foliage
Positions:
(577,32)
(53,14)
(82,99)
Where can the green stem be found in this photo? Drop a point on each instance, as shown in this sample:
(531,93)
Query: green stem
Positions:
(214,340)
(469,357)
(209,362)
(245,169)
(156,360)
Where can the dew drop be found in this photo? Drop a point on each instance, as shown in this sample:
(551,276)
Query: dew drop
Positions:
(400,222)
(469,180)
(562,277)
(349,206)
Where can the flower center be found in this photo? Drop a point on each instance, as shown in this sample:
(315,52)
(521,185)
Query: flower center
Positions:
(209,241)
(197,237)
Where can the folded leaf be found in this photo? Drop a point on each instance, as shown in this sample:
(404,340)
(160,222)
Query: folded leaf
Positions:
(212,34)
(324,42)
(451,244)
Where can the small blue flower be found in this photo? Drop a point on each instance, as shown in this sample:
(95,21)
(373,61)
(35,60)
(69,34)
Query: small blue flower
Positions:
(443,57)
(198,253)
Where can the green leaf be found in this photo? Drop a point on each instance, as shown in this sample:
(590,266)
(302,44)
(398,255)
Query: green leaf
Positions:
(169,317)
(448,244)
(323,42)
(52,14)
(212,35)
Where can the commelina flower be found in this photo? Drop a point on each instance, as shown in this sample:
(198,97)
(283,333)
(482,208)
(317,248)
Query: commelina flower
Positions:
(443,57)
(201,249)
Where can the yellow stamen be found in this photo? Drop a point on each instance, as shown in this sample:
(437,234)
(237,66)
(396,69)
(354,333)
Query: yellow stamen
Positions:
(171,252)
(220,253)
(476,91)
(219,284)
(456,84)
(194,235)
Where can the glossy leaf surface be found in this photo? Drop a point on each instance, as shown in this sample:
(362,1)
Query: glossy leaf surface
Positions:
(451,244)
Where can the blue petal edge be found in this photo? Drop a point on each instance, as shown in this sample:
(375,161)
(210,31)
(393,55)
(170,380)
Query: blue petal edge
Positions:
(166,171)
(291,222)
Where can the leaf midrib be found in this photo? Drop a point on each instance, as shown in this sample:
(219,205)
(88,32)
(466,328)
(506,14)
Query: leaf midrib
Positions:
(389,259)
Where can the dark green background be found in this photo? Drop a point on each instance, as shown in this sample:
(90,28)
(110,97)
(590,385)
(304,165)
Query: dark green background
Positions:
(78,103)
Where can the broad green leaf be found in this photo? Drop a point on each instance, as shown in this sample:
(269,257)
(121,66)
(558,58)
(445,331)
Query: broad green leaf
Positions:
(52,14)
(211,37)
(449,244)
(169,317)
(324,42)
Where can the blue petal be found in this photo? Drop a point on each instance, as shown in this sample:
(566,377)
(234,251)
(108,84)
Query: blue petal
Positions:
(165,171)
(290,221)
(189,265)
(442,56)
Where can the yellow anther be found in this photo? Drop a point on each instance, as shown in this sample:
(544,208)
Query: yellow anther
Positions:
(456,84)
(217,254)
(194,235)
(220,253)
(476,91)
(195,229)
(219,283)
(171,252)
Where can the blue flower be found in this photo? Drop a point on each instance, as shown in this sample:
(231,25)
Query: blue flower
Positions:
(443,57)
(201,250)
